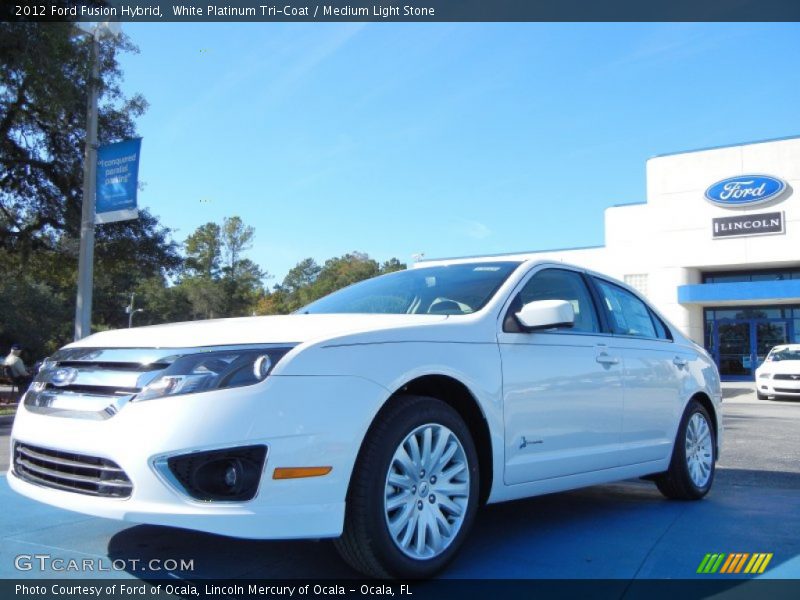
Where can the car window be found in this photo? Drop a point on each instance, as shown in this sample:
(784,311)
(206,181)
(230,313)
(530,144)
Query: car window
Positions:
(455,289)
(779,354)
(560,284)
(662,331)
(629,315)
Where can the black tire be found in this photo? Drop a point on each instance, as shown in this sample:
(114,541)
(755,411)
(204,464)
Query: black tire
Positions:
(677,482)
(366,543)
(761,396)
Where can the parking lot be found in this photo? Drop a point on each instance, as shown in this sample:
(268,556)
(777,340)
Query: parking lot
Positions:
(619,531)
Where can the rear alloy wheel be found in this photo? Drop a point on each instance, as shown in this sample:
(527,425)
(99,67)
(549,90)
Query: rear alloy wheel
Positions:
(414,491)
(691,470)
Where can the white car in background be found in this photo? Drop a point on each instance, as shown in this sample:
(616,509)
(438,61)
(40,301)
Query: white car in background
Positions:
(779,374)
(382,415)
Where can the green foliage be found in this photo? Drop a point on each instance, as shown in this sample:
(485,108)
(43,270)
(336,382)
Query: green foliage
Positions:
(307,281)
(44,80)
(44,75)
(217,281)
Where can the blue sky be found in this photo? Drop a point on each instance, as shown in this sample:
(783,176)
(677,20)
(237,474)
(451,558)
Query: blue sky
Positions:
(447,139)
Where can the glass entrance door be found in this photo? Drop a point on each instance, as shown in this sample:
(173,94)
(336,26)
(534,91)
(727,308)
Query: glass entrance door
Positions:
(741,345)
(768,335)
(735,349)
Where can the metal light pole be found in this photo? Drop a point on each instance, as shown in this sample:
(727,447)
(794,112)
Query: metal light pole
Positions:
(83,306)
(132,311)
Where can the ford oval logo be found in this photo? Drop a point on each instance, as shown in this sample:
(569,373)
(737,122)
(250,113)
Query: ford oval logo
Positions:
(63,376)
(745,190)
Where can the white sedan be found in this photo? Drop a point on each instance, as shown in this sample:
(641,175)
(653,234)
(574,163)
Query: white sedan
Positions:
(382,415)
(779,374)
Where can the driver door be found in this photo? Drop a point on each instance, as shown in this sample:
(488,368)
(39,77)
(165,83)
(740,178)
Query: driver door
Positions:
(562,387)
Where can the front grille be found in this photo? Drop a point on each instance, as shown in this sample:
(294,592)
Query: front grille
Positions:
(786,376)
(787,390)
(71,472)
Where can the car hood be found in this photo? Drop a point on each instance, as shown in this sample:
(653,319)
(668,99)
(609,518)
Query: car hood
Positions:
(281,329)
(783,366)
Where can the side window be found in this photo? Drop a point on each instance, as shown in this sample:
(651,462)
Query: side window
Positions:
(559,284)
(662,332)
(629,315)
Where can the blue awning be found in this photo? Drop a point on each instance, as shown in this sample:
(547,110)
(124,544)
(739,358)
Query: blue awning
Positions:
(740,291)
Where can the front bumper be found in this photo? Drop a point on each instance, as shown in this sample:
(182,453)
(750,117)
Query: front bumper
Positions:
(304,421)
(779,387)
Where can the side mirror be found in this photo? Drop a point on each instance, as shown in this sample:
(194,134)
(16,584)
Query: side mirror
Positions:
(545,314)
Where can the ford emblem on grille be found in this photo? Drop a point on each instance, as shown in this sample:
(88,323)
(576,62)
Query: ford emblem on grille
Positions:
(63,376)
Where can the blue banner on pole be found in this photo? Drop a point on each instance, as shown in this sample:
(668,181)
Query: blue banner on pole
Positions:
(117,181)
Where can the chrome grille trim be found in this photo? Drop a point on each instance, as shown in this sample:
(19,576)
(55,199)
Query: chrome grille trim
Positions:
(31,453)
(96,383)
(786,377)
(71,472)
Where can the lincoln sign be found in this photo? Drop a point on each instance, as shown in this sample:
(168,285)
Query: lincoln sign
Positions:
(742,225)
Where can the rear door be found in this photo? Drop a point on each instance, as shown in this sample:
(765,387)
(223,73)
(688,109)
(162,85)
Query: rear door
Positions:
(562,388)
(654,374)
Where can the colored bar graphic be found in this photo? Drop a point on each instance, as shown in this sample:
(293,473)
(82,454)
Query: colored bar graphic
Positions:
(727,565)
(765,563)
(734,563)
(740,564)
(703,563)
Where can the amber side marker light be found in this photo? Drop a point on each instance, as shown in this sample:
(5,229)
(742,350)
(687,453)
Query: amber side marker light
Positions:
(299,472)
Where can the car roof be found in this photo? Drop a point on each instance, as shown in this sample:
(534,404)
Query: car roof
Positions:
(786,347)
(526,259)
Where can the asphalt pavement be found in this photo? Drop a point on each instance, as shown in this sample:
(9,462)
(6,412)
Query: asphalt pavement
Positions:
(620,531)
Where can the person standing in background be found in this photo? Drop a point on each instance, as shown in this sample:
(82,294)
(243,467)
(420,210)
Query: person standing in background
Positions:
(17,368)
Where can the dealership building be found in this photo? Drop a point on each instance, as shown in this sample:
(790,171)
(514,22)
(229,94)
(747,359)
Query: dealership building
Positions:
(716,248)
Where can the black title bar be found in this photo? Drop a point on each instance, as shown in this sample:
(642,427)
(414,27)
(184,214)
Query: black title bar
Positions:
(400,10)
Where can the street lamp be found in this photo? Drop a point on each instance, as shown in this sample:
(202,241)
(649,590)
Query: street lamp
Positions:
(83,304)
(130,311)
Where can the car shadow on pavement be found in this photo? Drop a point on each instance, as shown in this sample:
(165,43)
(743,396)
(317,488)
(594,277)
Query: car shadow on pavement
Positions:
(500,530)
(608,531)
(147,548)
(734,392)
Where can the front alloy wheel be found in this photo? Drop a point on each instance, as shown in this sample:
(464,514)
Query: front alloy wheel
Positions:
(427,491)
(413,493)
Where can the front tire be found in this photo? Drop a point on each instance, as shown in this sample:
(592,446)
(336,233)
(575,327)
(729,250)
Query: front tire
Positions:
(761,396)
(694,457)
(414,492)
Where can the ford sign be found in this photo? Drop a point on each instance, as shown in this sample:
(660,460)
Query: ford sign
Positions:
(745,190)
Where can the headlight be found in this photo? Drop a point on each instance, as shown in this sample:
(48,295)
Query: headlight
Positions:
(214,370)
(764,375)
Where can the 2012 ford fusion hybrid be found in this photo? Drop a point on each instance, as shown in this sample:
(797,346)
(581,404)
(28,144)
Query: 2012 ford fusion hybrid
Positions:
(382,415)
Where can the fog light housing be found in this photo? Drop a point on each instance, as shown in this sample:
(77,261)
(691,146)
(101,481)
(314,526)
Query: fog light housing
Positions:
(231,475)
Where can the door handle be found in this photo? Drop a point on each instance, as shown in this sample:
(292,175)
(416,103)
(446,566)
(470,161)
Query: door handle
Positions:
(680,362)
(606,359)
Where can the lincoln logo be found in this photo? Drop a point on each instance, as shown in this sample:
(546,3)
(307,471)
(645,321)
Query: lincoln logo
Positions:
(748,224)
(745,190)
(745,225)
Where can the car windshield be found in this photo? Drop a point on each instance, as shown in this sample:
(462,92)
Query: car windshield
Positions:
(456,289)
(785,354)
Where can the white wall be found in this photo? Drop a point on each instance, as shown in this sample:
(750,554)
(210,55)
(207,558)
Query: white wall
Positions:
(669,237)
